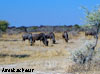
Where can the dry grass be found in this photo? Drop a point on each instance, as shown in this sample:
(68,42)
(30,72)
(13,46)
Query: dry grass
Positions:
(89,68)
(55,57)
(19,51)
(9,56)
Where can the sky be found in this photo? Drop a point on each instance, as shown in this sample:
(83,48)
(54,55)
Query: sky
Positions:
(44,12)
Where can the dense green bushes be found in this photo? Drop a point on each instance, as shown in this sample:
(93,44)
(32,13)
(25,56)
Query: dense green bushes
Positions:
(4,25)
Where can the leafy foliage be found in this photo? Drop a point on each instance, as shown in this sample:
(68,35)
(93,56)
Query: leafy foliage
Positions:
(4,25)
(93,16)
(77,26)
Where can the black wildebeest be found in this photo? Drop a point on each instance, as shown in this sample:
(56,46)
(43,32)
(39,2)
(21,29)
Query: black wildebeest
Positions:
(51,36)
(92,33)
(65,36)
(41,37)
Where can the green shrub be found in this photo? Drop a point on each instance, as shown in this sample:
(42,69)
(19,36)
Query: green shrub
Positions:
(77,26)
(4,25)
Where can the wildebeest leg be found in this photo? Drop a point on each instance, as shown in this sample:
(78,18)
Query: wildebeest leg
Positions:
(53,41)
(30,44)
(33,42)
(23,39)
(66,40)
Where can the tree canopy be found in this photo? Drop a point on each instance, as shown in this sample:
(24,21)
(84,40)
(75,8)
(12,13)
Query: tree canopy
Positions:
(4,25)
(93,16)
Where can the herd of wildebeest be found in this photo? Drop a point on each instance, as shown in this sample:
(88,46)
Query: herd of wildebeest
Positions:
(45,36)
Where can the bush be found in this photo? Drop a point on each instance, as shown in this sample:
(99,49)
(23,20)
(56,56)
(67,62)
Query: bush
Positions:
(83,54)
(77,26)
(93,65)
(4,25)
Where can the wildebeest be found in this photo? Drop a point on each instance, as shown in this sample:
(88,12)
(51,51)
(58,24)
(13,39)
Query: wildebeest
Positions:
(92,33)
(51,36)
(26,36)
(65,36)
(41,37)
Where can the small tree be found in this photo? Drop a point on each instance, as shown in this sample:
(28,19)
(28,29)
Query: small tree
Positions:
(77,26)
(4,25)
(92,18)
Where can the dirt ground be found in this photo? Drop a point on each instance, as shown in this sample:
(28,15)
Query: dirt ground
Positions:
(52,59)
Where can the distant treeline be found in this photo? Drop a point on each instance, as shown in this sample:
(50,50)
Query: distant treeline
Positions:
(5,28)
(15,30)
(43,28)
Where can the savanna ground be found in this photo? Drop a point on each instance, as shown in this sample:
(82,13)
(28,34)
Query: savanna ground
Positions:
(52,59)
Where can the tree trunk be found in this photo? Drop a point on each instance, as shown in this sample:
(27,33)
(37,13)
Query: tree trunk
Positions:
(89,57)
(97,35)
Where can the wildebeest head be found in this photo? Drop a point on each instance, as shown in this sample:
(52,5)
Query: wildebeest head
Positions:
(30,39)
(45,42)
(25,36)
(44,39)
(65,36)
(51,36)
